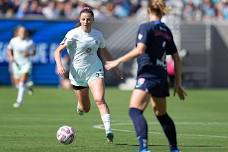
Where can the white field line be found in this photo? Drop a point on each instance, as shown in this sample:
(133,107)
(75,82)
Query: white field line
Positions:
(100,126)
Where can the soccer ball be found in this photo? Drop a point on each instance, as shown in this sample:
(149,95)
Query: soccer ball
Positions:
(65,135)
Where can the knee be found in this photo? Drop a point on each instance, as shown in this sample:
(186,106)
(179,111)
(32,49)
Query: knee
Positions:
(99,101)
(159,112)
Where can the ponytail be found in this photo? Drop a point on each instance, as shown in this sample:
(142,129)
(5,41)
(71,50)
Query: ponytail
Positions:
(159,7)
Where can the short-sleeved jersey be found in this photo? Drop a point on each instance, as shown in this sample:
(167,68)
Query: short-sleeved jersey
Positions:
(159,42)
(82,47)
(19,47)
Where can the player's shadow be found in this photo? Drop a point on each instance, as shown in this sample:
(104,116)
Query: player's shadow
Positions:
(186,146)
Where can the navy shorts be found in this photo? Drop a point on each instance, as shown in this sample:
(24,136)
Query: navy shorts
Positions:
(155,87)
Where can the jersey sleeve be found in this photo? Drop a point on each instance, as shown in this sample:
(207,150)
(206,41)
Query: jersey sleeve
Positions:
(142,35)
(67,37)
(171,48)
(10,45)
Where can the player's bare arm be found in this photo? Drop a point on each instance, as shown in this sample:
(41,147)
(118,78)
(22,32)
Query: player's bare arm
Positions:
(129,56)
(108,57)
(10,55)
(57,56)
(178,87)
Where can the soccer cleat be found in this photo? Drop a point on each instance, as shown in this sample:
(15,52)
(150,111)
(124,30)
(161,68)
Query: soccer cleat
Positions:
(145,150)
(176,150)
(79,111)
(16,105)
(110,137)
(29,85)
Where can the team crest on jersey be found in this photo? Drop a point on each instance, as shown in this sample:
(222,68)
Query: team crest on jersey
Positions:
(88,50)
(140,36)
(140,82)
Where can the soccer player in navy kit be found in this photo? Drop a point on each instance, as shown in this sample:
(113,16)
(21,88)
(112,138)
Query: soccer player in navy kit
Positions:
(154,42)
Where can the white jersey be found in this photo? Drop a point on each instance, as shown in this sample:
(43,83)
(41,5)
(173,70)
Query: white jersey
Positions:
(82,47)
(19,47)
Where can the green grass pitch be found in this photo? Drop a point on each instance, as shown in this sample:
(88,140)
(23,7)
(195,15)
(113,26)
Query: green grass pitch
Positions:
(201,122)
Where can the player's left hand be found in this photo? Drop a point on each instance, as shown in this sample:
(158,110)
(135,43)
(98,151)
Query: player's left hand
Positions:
(180,92)
(111,64)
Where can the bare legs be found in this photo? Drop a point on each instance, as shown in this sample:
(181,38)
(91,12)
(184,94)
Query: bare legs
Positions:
(98,91)
(21,89)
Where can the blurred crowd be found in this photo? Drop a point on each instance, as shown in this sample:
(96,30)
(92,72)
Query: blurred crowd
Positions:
(69,9)
(191,10)
(196,10)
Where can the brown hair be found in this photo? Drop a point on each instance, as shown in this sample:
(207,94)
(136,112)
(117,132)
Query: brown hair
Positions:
(87,10)
(27,33)
(158,7)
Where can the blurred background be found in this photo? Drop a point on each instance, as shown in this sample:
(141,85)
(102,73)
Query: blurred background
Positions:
(200,29)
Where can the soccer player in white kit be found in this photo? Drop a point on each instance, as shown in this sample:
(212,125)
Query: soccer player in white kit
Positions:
(20,49)
(83,44)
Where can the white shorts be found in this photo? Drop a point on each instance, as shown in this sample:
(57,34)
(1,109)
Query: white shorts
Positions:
(19,69)
(82,76)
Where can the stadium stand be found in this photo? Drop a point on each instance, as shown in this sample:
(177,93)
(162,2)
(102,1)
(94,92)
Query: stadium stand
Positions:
(193,10)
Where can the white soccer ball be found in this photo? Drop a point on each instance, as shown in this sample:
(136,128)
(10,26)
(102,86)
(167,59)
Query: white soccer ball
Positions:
(65,135)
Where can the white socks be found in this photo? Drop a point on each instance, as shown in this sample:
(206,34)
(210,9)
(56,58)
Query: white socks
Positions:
(106,118)
(20,95)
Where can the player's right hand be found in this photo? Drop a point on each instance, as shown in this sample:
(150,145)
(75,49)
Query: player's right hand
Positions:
(61,71)
(179,90)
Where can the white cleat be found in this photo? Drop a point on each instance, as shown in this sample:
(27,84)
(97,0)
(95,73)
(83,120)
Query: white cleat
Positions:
(16,105)
(79,111)
(29,86)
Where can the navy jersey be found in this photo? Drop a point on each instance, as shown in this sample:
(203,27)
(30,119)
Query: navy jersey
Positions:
(159,42)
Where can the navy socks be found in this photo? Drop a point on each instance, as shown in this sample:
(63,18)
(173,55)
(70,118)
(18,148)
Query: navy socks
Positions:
(169,130)
(141,127)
